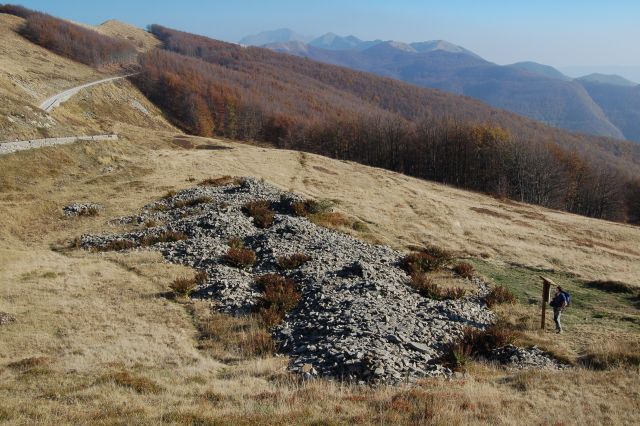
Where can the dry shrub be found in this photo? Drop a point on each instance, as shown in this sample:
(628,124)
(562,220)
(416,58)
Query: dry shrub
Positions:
(117,245)
(612,354)
(150,223)
(279,296)
(163,237)
(235,243)
(138,384)
(203,199)
(183,286)
(169,194)
(261,213)
(464,269)
(416,405)
(499,295)
(309,207)
(429,259)
(240,258)
(330,220)
(292,262)
(227,337)
(476,343)
(221,181)
(453,293)
(612,286)
(31,363)
(427,287)
(89,211)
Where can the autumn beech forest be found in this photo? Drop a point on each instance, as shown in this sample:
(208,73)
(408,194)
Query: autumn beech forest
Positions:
(212,88)
(72,41)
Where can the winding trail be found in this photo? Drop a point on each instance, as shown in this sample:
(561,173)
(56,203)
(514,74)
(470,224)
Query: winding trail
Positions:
(49,104)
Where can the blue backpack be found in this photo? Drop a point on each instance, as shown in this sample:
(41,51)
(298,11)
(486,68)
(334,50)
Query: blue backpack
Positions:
(567,297)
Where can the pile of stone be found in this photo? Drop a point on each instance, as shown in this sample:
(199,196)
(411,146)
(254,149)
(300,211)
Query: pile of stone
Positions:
(6,319)
(518,358)
(357,320)
(81,209)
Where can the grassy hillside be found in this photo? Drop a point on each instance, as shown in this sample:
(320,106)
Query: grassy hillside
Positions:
(96,339)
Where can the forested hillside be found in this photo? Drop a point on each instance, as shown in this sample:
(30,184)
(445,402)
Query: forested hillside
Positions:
(72,41)
(210,87)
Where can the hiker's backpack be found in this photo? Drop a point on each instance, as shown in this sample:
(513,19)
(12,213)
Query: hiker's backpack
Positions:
(567,297)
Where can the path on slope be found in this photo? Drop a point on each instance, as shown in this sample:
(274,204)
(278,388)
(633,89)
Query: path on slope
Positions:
(49,104)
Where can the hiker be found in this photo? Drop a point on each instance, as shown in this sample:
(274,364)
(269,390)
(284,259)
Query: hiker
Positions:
(559,302)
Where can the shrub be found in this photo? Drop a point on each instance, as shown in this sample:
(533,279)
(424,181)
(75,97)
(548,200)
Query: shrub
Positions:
(221,181)
(612,286)
(309,207)
(137,383)
(261,213)
(167,236)
(477,343)
(425,285)
(89,211)
(330,220)
(279,296)
(235,243)
(183,286)
(240,257)
(464,269)
(612,354)
(428,288)
(228,337)
(117,245)
(453,293)
(429,259)
(169,194)
(203,199)
(499,295)
(293,261)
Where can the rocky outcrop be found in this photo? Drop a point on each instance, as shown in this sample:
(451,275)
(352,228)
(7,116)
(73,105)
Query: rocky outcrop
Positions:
(357,320)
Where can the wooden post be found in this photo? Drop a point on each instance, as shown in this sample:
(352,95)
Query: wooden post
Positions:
(546,287)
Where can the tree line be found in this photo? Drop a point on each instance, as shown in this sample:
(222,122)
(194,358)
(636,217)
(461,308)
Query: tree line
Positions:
(70,40)
(212,99)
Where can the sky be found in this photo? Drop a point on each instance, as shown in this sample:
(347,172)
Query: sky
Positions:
(568,34)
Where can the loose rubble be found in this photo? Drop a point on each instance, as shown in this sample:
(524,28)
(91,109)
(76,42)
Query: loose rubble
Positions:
(81,209)
(6,318)
(358,320)
(517,358)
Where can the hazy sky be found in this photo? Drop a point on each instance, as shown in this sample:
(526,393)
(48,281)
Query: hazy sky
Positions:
(556,32)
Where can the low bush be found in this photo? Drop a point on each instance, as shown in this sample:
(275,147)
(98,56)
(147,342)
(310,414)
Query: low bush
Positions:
(191,202)
(138,384)
(279,296)
(261,213)
(221,181)
(427,287)
(167,236)
(500,295)
(309,207)
(183,286)
(429,259)
(476,343)
(240,258)
(227,337)
(612,354)
(464,269)
(292,262)
(117,245)
(235,243)
(330,220)
(453,293)
(613,286)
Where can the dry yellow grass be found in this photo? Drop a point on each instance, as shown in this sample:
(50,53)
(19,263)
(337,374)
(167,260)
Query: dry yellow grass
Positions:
(96,341)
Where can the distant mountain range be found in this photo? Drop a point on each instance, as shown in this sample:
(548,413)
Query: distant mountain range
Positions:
(606,105)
